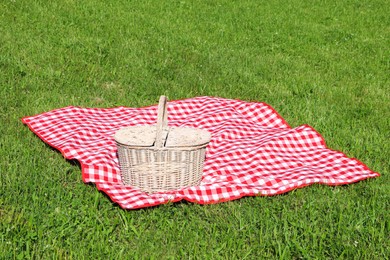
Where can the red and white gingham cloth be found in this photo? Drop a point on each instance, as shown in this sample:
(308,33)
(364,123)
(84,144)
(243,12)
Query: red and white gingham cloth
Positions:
(253,151)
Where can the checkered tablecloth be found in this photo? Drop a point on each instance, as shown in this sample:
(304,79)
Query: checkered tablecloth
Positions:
(253,151)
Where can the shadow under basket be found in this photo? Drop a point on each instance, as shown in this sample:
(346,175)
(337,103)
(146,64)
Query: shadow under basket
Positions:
(161,158)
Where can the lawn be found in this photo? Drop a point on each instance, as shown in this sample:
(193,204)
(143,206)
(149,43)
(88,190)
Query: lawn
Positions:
(322,63)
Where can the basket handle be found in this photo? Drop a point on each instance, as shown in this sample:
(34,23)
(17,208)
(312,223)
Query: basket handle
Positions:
(162,120)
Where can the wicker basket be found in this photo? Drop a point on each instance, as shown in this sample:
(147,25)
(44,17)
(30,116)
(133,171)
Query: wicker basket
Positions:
(161,158)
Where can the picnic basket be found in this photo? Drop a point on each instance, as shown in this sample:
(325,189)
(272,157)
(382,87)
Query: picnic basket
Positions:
(161,158)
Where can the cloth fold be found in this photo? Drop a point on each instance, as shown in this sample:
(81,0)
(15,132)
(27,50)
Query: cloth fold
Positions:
(253,151)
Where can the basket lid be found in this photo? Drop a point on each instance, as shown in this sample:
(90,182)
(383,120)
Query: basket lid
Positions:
(145,136)
(183,136)
(136,135)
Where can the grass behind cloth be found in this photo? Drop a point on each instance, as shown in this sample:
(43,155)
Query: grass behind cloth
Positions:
(322,63)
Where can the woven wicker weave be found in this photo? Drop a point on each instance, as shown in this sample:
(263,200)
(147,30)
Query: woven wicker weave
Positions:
(161,158)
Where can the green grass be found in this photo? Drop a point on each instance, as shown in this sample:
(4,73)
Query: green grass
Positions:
(322,63)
